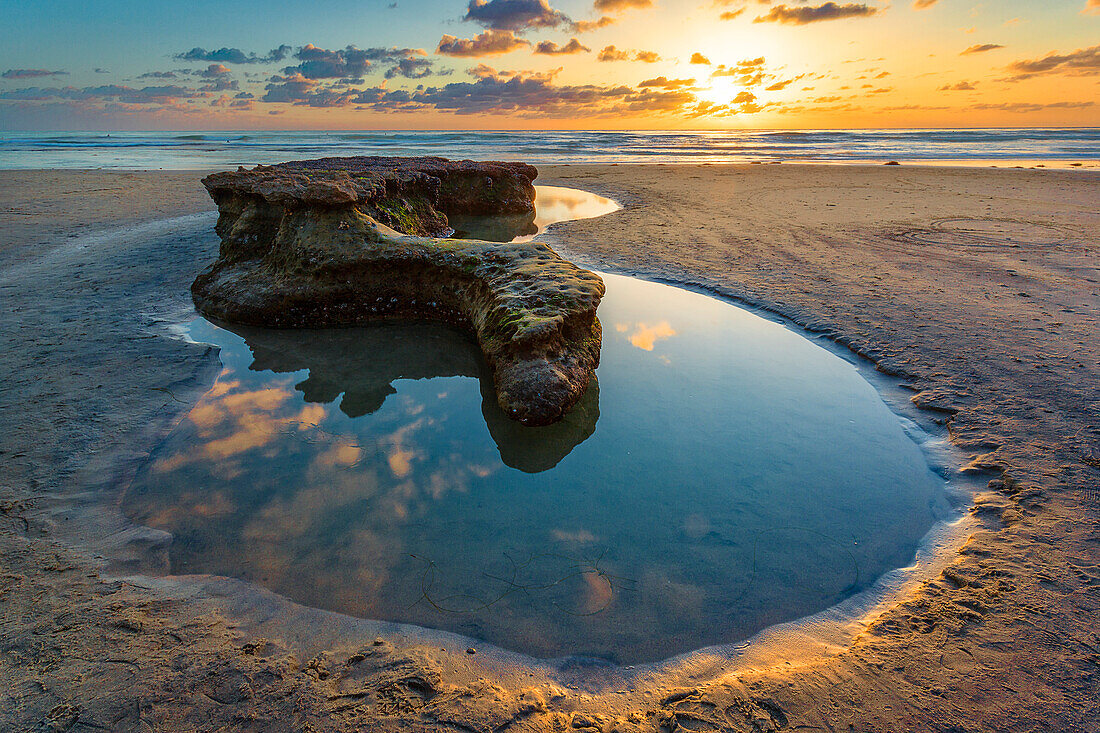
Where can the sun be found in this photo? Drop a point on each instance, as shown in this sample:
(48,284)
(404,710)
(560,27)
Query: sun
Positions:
(718,90)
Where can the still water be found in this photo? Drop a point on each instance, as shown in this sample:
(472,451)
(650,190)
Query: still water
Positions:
(552,204)
(722,474)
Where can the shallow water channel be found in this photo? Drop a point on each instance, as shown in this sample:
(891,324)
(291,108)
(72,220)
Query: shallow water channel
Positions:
(722,474)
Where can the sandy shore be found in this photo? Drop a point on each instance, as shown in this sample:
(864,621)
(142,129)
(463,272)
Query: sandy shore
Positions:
(979,288)
(39,209)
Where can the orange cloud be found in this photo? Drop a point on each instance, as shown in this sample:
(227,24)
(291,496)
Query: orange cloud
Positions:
(645,336)
(1082,62)
(618,6)
(489,43)
(814,14)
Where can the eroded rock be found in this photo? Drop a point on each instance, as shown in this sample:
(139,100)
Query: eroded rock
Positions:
(313,244)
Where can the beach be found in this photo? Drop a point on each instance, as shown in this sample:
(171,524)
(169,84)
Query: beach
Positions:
(977,288)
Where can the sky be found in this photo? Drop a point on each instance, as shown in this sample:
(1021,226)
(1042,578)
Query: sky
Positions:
(548,64)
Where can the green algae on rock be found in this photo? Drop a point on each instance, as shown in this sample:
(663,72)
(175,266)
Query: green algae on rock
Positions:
(312,244)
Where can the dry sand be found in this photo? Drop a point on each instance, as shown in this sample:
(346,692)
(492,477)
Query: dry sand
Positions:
(977,287)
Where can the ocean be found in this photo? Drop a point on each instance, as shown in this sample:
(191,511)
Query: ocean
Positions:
(1051,147)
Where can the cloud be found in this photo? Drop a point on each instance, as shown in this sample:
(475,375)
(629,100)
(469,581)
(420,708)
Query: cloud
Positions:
(352,62)
(109,92)
(981,48)
(536,95)
(549,48)
(321,63)
(1092,7)
(30,73)
(914,107)
(783,84)
(1082,62)
(522,93)
(301,90)
(527,93)
(743,103)
(611,53)
(665,83)
(798,109)
(698,58)
(483,70)
(962,86)
(220,84)
(747,73)
(515,15)
(1031,106)
(618,6)
(922,4)
(584,26)
(214,71)
(414,67)
(217,74)
(234,55)
(731,14)
(814,14)
(489,43)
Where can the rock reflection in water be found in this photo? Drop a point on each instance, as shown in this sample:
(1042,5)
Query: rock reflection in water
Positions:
(358,366)
(494,228)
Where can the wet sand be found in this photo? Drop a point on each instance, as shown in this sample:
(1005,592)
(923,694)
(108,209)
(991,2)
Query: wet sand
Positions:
(977,287)
(39,209)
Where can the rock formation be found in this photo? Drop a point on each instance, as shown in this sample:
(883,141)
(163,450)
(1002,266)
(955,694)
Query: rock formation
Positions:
(316,243)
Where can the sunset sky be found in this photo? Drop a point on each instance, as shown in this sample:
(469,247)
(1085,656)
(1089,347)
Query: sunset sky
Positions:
(522,64)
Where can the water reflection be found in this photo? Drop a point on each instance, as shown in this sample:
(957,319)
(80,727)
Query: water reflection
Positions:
(738,476)
(535,449)
(552,204)
(646,335)
(519,227)
(359,366)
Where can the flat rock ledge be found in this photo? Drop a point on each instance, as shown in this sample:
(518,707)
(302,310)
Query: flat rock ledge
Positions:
(304,245)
